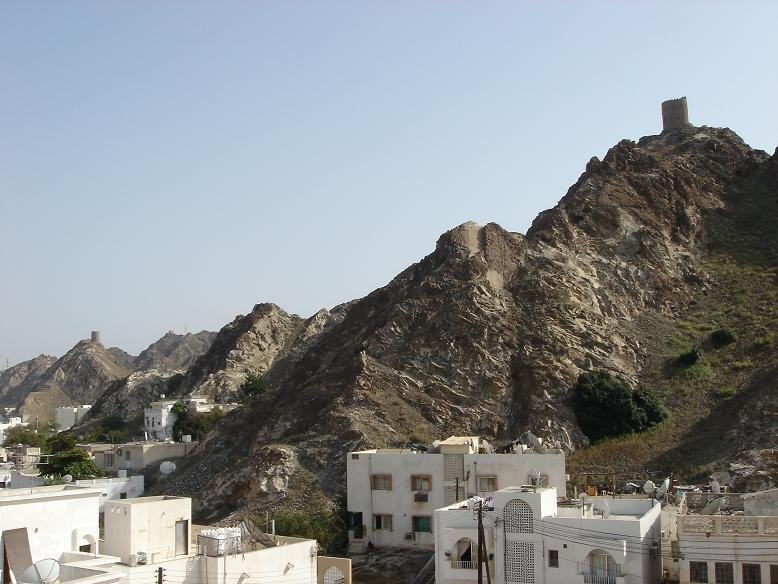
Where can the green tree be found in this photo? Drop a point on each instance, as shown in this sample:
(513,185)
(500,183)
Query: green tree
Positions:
(605,406)
(253,385)
(74,462)
(61,442)
(24,435)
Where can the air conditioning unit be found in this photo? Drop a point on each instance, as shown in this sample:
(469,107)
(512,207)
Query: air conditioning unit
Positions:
(410,536)
(420,497)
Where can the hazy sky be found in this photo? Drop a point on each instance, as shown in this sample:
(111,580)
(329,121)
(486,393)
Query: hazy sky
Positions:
(165,164)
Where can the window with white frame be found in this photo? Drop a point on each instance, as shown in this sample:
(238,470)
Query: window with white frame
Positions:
(421,483)
(487,484)
(724,572)
(381,482)
(698,572)
(752,574)
(382,522)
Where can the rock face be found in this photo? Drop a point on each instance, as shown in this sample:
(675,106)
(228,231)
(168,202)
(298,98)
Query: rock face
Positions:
(488,334)
(174,352)
(17,381)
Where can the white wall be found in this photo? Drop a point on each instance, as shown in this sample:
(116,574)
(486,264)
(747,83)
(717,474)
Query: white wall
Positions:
(112,488)
(510,469)
(294,563)
(57,519)
(146,524)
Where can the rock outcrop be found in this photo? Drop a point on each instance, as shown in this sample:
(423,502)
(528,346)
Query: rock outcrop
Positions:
(18,381)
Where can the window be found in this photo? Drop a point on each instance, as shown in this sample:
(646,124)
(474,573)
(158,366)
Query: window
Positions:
(553,558)
(127,454)
(422,523)
(122,495)
(421,484)
(698,572)
(382,482)
(773,574)
(487,484)
(752,574)
(725,574)
(382,522)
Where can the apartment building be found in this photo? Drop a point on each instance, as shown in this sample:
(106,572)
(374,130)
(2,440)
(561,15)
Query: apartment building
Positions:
(69,416)
(393,493)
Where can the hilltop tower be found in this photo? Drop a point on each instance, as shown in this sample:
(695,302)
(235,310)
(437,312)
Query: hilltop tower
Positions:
(96,337)
(675,114)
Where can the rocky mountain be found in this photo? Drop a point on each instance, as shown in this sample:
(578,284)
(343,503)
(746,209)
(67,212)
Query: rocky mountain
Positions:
(488,334)
(17,381)
(174,352)
(79,376)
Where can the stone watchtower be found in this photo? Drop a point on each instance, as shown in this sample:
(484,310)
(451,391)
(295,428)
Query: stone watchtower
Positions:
(96,336)
(675,114)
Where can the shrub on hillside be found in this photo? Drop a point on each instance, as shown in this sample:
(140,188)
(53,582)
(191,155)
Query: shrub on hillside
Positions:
(606,406)
(764,340)
(721,337)
(688,358)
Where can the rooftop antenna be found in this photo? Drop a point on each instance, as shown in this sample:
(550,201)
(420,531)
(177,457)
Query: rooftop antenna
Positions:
(44,571)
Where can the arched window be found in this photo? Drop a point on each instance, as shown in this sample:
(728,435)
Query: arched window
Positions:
(465,554)
(333,575)
(602,564)
(517,517)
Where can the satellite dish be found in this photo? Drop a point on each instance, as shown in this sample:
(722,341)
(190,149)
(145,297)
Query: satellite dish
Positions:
(715,487)
(535,442)
(167,467)
(713,507)
(649,488)
(663,488)
(67,479)
(41,572)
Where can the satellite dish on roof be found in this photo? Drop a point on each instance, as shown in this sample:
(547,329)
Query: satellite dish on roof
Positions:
(649,488)
(67,478)
(41,572)
(663,489)
(715,487)
(535,442)
(167,467)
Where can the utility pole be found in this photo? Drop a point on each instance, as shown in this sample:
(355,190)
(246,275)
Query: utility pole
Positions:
(159,576)
(483,557)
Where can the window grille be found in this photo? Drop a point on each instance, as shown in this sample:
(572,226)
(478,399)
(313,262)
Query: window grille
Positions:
(334,576)
(698,572)
(453,467)
(517,517)
(519,562)
(725,573)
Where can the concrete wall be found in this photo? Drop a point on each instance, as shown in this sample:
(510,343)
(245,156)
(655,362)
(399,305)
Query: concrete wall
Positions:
(295,563)
(762,503)
(509,469)
(57,519)
(146,524)
(113,488)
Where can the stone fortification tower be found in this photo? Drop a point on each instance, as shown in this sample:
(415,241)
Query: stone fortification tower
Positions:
(675,114)
(96,337)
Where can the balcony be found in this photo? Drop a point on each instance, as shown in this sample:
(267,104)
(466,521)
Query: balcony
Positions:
(420,497)
(598,579)
(460,565)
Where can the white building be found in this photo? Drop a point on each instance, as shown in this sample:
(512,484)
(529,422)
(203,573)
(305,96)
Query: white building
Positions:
(69,416)
(159,419)
(116,488)
(6,423)
(531,538)
(728,538)
(135,455)
(392,493)
(46,522)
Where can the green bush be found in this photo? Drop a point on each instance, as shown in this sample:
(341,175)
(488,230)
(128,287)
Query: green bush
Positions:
(721,337)
(74,462)
(688,358)
(724,392)
(328,528)
(253,385)
(25,435)
(606,406)
(764,340)
(740,365)
(196,425)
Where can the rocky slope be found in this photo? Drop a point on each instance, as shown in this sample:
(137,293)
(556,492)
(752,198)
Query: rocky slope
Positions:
(174,352)
(488,334)
(17,381)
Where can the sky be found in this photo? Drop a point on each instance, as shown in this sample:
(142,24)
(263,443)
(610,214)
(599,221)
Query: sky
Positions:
(167,165)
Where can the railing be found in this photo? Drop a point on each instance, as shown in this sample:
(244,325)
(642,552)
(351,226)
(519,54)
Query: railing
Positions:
(459,565)
(727,524)
(592,579)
